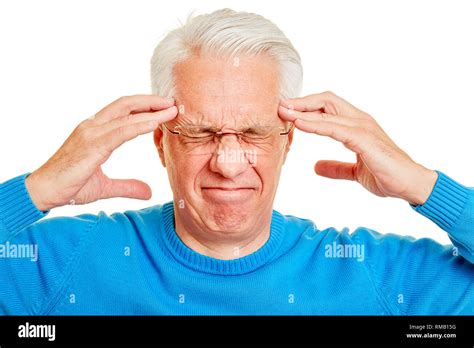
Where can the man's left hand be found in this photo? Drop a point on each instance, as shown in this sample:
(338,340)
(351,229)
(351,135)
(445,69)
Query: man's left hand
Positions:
(381,166)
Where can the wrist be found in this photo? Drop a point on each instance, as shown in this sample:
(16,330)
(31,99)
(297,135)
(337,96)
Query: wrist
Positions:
(424,184)
(34,190)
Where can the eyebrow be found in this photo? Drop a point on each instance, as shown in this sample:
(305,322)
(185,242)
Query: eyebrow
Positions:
(200,121)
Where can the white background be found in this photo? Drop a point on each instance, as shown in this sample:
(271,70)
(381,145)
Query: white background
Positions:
(407,63)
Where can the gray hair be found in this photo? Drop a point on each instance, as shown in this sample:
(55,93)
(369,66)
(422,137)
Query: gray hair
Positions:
(229,34)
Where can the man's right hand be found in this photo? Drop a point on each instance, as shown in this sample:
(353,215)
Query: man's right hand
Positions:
(73,175)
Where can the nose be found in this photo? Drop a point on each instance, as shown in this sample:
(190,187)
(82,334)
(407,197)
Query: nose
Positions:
(229,159)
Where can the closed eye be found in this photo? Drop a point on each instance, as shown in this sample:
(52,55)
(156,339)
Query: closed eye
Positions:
(258,132)
(197,131)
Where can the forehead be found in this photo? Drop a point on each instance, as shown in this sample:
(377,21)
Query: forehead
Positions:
(227,90)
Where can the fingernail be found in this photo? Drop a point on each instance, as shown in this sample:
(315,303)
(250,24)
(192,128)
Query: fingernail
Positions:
(288,109)
(172,109)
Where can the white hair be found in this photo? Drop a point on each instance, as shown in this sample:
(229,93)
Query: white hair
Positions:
(226,33)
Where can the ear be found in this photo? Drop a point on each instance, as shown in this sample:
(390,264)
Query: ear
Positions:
(288,144)
(158,139)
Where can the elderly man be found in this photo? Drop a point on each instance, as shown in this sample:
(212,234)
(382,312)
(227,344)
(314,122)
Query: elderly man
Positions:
(223,113)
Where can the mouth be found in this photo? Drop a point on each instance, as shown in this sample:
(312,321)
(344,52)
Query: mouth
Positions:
(227,194)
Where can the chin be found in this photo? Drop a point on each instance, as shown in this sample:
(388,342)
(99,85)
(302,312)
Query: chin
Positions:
(230,217)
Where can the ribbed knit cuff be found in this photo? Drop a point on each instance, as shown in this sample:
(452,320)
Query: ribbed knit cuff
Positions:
(446,202)
(17,210)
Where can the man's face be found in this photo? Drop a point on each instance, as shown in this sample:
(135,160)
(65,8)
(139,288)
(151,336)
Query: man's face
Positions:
(227,191)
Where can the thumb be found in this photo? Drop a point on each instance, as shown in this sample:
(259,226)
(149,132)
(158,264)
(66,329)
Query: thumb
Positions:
(128,188)
(335,169)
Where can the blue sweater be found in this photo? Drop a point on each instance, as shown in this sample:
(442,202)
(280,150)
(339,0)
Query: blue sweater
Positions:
(134,263)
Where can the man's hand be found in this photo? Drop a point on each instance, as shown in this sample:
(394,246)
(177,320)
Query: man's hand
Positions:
(381,166)
(73,175)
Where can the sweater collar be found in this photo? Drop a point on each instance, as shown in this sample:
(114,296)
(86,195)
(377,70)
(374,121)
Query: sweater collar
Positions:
(203,263)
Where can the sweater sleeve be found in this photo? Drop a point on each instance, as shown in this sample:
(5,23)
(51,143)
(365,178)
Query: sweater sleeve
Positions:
(37,258)
(451,206)
(420,276)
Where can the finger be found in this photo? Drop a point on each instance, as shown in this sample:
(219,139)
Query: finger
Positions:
(127,188)
(335,169)
(349,136)
(121,135)
(160,116)
(133,104)
(327,102)
(308,103)
(292,115)
(326,128)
